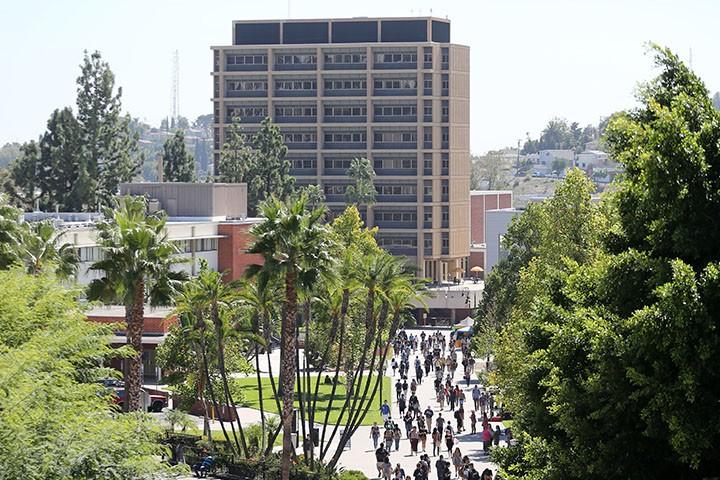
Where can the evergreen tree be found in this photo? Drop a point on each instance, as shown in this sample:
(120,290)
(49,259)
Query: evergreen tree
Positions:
(60,157)
(270,174)
(178,164)
(24,176)
(236,157)
(109,155)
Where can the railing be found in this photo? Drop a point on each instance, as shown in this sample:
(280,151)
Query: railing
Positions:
(346,92)
(394,118)
(395,145)
(395,171)
(301,145)
(345,145)
(295,66)
(395,65)
(246,68)
(392,224)
(303,171)
(345,66)
(395,92)
(245,93)
(300,119)
(345,119)
(395,198)
(296,93)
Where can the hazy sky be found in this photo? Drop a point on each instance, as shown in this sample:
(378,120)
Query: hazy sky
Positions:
(530,59)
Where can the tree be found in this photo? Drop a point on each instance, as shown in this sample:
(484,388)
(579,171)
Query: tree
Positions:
(55,420)
(8,153)
(136,267)
(295,247)
(269,174)
(183,123)
(236,157)
(178,164)
(10,231)
(621,328)
(60,157)
(487,170)
(204,121)
(39,247)
(315,195)
(261,163)
(362,173)
(109,147)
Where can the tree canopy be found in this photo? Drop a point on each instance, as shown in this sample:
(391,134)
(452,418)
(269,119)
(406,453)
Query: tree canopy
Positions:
(608,349)
(178,163)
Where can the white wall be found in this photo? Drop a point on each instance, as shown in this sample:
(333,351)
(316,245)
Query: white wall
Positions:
(496,226)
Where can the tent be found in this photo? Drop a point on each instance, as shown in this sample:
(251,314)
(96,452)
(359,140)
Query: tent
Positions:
(466,322)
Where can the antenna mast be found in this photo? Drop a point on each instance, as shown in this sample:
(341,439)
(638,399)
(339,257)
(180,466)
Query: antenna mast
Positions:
(176,86)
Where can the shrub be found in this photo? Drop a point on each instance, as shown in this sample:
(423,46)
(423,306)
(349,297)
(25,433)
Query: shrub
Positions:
(352,475)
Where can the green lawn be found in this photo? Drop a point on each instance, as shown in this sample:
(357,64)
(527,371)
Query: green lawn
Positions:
(251,398)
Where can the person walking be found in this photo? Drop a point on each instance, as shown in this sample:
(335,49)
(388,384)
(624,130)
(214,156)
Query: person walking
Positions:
(442,467)
(473,422)
(436,441)
(457,461)
(387,469)
(375,435)
(422,435)
(408,423)
(397,434)
(414,438)
(440,422)
(449,439)
(460,418)
(460,396)
(428,416)
(487,439)
(453,398)
(380,456)
(399,472)
(385,411)
(441,397)
(402,404)
(476,397)
(496,436)
(388,437)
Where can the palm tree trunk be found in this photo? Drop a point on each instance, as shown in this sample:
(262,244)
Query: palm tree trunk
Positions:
(261,399)
(287,369)
(133,374)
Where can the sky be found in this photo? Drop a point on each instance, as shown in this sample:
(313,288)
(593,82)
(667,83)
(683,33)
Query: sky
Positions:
(531,60)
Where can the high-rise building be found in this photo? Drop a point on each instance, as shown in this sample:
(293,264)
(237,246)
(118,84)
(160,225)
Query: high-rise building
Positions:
(392,90)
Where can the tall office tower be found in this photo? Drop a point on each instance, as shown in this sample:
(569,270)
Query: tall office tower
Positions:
(392,90)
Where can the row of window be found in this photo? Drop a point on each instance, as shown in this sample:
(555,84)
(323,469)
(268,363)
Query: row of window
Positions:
(386,216)
(295,59)
(334,111)
(395,137)
(345,58)
(395,110)
(197,245)
(298,137)
(346,137)
(343,111)
(397,242)
(396,57)
(295,111)
(378,163)
(255,85)
(247,112)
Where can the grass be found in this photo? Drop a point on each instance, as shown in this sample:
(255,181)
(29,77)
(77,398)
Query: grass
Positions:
(251,397)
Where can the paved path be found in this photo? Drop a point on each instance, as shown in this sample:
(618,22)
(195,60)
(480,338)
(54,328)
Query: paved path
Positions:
(361,455)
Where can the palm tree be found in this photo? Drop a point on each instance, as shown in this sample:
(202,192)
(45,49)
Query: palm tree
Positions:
(137,267)
(39,246)
(295,246)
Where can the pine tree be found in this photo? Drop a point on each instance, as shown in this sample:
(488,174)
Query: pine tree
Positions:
(178,164)
(271,173)
(60,157)
(236,157)
(110,147)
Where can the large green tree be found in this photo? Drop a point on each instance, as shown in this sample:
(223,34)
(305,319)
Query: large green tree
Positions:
(609,355)
(178,163)
(109,146)
(259,162)
(137,267)
(55,420)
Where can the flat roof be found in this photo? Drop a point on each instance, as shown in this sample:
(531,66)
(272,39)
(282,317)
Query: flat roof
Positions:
(119,311)
(340,19)
(489,192)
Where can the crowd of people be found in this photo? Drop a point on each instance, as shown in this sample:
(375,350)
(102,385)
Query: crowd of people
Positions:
(431,358)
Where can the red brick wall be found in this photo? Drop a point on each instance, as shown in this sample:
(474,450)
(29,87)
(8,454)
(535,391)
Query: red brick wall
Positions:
(232,250)
(476,258)
(150,324)
(479,204)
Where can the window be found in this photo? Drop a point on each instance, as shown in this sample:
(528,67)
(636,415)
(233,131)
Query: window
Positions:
(345,58)
(296,111)
(304,163)
(445,83)
(395,163)
(394,189)
(395,110)
(445,137)
(427,55)
(427,83)
(398,216)
(398,242)
(285,85)
(427,110)
(445,216)
(345,111)
(445,188)
(427,243)
(335,189)
(247,85)
(285,59)
(346,137)
(427,163)
(427,188)
(246,59)
(445,56)
(445,163)
(445,110)
(395,137)
(427,137)
(337,163)
(445,237)
(347,84)
(396,57)
(89,254)
(246,112)
(297,137)
(395,84)
(427,216)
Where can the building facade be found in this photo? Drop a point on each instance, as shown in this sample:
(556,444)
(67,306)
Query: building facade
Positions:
(392,90)
(482,201)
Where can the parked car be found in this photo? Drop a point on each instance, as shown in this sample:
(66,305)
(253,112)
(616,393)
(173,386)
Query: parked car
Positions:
(151,400)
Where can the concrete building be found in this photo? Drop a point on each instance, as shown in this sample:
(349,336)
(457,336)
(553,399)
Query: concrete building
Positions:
(482,201)
(207,221)
(496,226)
(392,90)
